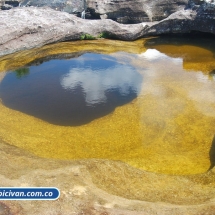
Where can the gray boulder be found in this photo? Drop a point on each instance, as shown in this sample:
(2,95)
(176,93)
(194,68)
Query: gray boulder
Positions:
(134,11)
(69,6)
(8,4)
(26,28)
(121,11)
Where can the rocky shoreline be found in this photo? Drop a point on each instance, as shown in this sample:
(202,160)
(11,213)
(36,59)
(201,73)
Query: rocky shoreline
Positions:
(85,184)
(30,27)
(93,186)
(85,187)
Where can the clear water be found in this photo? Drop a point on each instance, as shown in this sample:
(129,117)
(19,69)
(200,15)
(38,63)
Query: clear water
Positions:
(149,103)
(71,91)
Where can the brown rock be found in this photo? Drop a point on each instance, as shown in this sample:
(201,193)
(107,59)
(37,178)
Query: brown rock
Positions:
(102,187)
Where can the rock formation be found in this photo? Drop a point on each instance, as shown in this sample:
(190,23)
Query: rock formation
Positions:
(122,11)
(8,4)
(29,27)
(100,187)
(134,11)
(70,6)
(85,185)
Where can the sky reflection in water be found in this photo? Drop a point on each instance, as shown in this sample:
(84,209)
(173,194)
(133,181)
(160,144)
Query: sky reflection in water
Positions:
(157,114)
(71,92)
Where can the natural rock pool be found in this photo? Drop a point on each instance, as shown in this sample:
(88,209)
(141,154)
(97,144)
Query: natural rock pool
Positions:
(149,103)
(72,91)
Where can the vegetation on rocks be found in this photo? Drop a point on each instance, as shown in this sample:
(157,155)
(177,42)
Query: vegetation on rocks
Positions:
(87,37)
(103,35)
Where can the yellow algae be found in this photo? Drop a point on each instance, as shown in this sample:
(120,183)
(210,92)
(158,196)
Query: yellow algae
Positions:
(118,136)
(168,128)
(10,62)
(194,58)
(196,55)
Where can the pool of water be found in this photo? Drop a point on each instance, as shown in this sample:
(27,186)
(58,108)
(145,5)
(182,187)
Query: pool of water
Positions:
(71,91)
(149,103)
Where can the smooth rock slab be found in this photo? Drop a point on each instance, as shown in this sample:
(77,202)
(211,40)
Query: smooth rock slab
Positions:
(102,187)
(36,27)
(26,28)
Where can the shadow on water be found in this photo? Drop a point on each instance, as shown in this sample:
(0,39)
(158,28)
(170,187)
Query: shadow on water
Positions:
(212,73)
(71,91)
(212,154)
(38,61)
(206,41)
(197,54)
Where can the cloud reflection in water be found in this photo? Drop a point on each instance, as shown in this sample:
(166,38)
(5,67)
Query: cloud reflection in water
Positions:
(72,92)
(95,84)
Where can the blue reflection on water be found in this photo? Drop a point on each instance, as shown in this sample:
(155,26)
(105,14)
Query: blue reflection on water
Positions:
(72,91)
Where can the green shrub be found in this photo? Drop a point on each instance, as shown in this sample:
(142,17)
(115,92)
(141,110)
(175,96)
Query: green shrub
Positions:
(87,37)
(104,35)
(90,37)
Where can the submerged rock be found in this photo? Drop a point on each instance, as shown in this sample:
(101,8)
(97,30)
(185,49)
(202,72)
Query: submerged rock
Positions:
(101,187)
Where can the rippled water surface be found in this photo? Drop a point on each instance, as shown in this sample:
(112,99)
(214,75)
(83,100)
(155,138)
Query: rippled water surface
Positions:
(150,103)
